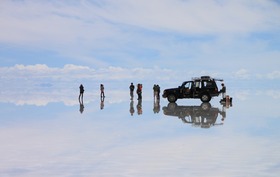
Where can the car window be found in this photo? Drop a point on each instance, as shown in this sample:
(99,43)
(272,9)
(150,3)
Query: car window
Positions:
(188,85)
(197,84)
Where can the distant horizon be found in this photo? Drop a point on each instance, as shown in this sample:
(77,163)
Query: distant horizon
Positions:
(52,45)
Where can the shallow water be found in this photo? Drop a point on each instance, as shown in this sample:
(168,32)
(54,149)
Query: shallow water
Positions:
(41,137)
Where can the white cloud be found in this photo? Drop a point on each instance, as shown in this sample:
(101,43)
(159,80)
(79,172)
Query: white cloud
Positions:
(242,74)
(65,23)
(40,84)
(193,16)
(137,33)
(274,75)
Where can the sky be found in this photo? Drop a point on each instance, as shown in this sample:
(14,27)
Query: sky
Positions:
(49,47)
(43,43)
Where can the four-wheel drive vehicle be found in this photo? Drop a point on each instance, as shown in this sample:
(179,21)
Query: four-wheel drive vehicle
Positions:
(203,88)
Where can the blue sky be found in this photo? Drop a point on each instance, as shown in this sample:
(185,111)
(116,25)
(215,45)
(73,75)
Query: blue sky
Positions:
(212,35)
(163,41)
(49,47)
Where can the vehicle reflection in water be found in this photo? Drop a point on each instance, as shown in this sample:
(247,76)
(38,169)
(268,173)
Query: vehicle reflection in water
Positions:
(204,116)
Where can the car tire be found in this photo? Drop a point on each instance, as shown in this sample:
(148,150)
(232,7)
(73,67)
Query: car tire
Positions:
(172,98)
(205,98)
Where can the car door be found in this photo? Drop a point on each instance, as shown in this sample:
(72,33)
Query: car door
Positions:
(187,89)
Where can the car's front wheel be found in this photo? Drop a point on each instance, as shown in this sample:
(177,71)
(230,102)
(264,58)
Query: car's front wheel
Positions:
(205,98)
(172,98)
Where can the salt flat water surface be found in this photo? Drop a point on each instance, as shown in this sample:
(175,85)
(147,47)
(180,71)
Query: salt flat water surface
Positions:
(50,134)
(49,48)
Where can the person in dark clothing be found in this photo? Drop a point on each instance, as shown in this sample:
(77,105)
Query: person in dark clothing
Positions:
(131,88)
(139,91)
(156,89)
(81,96)
(223,90)
(102,90)
(158,92)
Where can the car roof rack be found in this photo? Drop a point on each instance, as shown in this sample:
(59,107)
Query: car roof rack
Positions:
(207,78)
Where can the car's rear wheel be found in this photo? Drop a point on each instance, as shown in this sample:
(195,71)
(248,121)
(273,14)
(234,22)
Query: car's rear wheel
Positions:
(172,98)
(205,98)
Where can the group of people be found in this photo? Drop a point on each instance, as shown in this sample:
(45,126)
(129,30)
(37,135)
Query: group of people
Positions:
(156,89)
(138,91)
(81,96)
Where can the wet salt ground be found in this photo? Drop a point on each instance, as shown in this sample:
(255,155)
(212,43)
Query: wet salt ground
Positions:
(57,140)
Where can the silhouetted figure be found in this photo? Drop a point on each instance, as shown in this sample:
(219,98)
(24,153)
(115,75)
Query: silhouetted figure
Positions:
(81,108)
(156,89)
(102,103)
(131,88)
(81,96)
(139,107)
(131,108)
(223,90)
(102,90)
(139,91)
(158,92)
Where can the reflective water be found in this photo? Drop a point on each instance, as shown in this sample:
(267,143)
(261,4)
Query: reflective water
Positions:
(120,137)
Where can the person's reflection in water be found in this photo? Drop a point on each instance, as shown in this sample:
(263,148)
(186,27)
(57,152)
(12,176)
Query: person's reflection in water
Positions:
(139,107)
(102,103)
(131,109)
(81,107)
(156,106)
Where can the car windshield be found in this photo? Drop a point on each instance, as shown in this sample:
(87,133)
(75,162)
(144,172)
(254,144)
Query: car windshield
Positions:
(187,84)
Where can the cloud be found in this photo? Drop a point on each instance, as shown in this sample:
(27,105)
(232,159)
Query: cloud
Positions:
(195,17)
(242,74)
(90,21)
(40,84)
(142,33)
(274,75)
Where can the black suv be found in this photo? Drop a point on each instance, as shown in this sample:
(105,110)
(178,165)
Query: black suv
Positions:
(203,87)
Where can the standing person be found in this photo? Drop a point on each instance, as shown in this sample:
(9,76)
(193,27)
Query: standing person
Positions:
(131,88)
(158,92)
(139,91)
(81,96)
(102,91)
(223,90)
